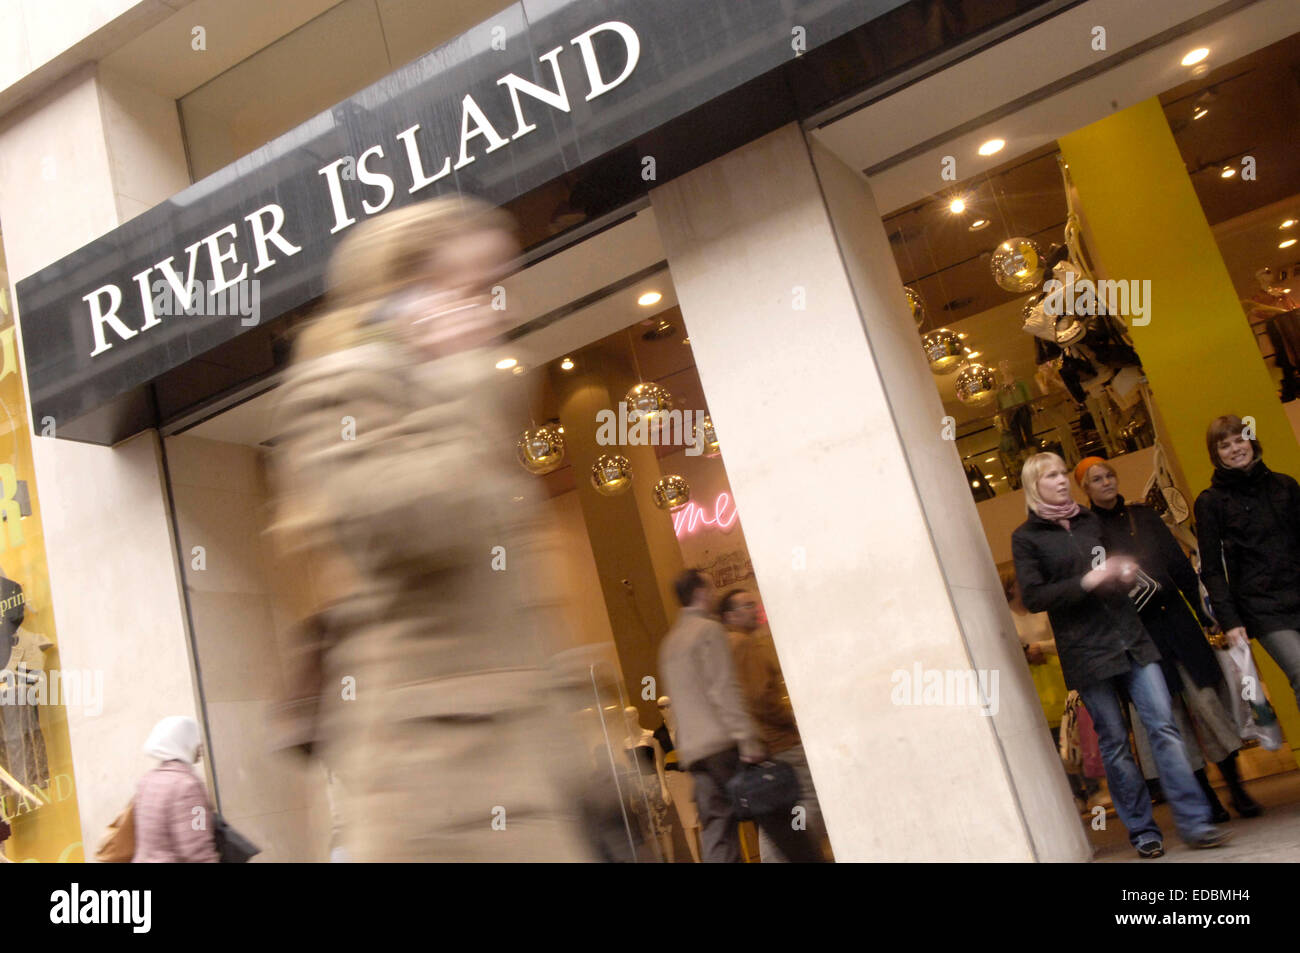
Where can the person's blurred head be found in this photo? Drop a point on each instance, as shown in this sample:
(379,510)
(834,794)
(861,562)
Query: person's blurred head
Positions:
(694,589)
(175,738)
(1101,484)
(1227,445)
(738,608)
(1046,481)
(438,259)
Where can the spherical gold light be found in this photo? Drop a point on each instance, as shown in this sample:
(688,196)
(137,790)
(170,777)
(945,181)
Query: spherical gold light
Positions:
(649,400)
(918,306)
(611,474)
(1017,265)
(707,437)
(943,349)
(976,385)
(672,492)
(540,451)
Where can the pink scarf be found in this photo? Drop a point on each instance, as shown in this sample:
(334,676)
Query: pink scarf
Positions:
(1059,512)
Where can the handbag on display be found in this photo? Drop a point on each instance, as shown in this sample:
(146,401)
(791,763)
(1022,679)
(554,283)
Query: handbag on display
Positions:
(232,846)
(118,844)
(757,790)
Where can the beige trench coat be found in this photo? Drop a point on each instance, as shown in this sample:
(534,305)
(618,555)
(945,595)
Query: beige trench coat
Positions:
(438,715)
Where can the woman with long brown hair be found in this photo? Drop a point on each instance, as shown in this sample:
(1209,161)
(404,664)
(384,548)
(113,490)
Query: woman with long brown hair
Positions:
(436,713)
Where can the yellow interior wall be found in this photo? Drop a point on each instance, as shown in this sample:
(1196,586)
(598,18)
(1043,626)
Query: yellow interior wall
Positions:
(1198,350)
(50,829)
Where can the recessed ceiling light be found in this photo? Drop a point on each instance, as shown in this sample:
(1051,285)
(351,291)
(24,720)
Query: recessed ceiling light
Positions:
(518,369)
(1200,112)
(988,476)
(992,146)
(1194,57)
(1228,172)
(649,298)
(1287,244)
(506,363)
(566,364)
(975,483)
(957,206)
(979,223)
(1286,291)
(1288,223)
(989,459)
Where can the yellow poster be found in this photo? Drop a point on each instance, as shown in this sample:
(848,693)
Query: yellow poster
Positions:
(38,798)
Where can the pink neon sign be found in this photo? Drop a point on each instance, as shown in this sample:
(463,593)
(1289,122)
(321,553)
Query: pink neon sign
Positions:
(690,517)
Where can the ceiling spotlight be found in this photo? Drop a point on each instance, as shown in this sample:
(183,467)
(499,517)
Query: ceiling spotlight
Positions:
(566,364)
(973,354)
(975,483)
(1200,112)
(649,298)
(1287,244)
(1194,57)
(979,223)
(1228,172)
(957,206)
(992,146)
(989,459)
(1288,223)
(506,363)
(518,369)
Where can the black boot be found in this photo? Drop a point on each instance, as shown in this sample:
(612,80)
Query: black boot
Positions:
(1217,812)
(1242,803)
(1157,792)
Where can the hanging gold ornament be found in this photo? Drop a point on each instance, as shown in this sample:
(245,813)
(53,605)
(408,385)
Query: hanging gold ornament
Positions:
(1017,265)
(707,437)
(976,384)
(648,400)
(917,305)
(671,492)
(943,349)
(611,474)
(540,451)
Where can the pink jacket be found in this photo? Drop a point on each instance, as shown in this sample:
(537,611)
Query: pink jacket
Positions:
(165,817)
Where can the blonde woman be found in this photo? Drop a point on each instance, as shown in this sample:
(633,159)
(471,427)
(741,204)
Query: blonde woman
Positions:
(394,456)
(1063,570)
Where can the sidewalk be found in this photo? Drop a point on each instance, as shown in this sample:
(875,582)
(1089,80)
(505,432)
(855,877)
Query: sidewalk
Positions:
(1273,837)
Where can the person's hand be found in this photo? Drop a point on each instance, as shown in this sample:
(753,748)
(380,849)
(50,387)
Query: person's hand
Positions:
(668,798)
(1034,653)
(753,751)
(1237,635)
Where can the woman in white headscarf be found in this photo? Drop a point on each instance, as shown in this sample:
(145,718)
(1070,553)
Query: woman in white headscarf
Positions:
(174,820)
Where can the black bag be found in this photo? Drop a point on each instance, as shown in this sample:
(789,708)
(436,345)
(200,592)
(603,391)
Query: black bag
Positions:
(757,790)
(232,846)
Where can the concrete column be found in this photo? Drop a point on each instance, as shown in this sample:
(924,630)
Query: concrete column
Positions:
(74,162)
(864,539)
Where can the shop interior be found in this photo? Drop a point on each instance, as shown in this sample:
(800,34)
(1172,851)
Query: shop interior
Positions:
(974,254)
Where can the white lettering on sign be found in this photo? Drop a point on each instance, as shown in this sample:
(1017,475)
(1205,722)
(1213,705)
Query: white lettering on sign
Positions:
(377,176)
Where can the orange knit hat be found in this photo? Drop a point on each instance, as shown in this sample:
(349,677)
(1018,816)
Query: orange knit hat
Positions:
(1086,464)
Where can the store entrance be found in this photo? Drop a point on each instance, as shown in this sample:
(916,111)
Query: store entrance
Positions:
(598,343)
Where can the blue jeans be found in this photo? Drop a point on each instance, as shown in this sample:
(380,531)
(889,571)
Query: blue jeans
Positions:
(1284,646)
(1150,695)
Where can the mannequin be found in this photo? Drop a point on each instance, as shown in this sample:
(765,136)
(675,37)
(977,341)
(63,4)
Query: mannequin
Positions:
(1272,314)
(650,800)
(681,785)
(22,745)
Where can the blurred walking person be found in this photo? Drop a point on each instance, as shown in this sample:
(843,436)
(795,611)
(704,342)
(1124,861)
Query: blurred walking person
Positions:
(394,460)
(174,820)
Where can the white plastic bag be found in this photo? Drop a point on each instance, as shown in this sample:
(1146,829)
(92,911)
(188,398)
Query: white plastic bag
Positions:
(1254,716)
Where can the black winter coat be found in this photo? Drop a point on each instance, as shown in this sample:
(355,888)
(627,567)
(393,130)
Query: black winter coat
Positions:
(1248,526)
(1132,529)
(1098,633)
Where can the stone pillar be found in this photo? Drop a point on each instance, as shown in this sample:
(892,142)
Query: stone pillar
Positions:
(864,539)
(1197,348)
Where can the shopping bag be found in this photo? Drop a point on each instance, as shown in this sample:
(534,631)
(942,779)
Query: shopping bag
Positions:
(118,845)
(1254,716)
(232,846)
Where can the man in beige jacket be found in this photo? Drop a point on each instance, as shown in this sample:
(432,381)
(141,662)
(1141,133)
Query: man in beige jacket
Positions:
(714,730)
